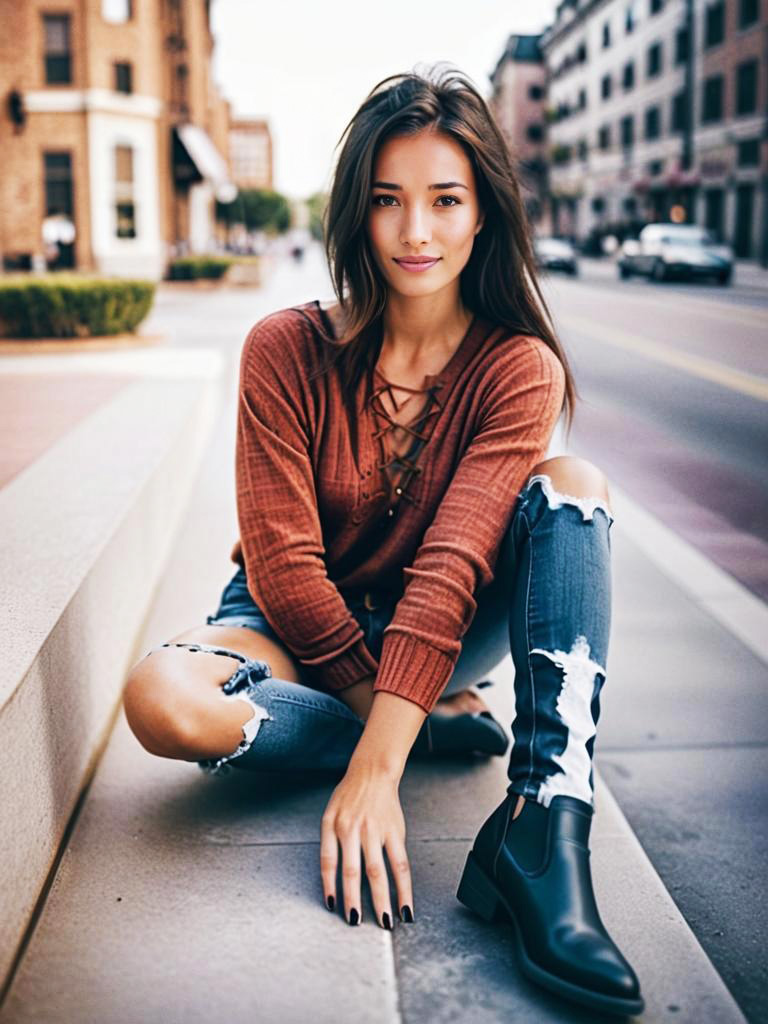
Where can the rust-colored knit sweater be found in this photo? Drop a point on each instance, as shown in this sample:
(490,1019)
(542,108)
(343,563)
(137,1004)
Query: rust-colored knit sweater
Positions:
(319,515)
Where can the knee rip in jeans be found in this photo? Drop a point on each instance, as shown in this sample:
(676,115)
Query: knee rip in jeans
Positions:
(574,706)
(555,499)
(241,685)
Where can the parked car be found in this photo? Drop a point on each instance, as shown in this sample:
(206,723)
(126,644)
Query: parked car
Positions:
(663,251)
(555,254)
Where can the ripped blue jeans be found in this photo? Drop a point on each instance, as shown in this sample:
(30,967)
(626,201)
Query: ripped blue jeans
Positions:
(549,605)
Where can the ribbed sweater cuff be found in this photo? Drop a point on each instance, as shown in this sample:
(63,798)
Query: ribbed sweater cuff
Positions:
(413,669)
(351,666)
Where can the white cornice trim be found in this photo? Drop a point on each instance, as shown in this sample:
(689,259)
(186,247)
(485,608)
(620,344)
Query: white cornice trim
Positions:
(68,101)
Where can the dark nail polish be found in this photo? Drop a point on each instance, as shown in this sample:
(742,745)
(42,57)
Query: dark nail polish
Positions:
(387,922)
(354,917)
(406,914)
(330,902)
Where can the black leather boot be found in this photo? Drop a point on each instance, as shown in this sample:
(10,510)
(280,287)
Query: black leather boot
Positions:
(535,872)
(475,732)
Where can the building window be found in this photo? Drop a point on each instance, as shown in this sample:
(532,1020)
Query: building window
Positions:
(679,119)
(749,12)
(117,11)
(606,35)
(714,23)
(125,207)
(655,168)
(535,132)
(582,149)
(58,56)
(628,76)
(746,88)
(535,92)
(604,137)
(605,86)
(57,172)
(656,6)
(654,59)
(652,122)
(712,99)
(123,76)
(630,19)
(681,46)
(581,53)
(748,153)
(561,154)
(627,131)
(582,99)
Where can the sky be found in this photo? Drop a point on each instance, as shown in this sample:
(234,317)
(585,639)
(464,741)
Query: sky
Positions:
(307,66)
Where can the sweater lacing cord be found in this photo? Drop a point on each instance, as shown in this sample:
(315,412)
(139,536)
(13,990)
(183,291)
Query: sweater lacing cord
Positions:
(434,405)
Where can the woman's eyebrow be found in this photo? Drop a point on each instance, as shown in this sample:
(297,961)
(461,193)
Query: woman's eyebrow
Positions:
(440,184)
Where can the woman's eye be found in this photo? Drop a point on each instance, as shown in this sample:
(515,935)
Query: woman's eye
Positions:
(453,200)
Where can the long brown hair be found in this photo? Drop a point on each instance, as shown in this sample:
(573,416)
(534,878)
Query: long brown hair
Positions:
(499,281)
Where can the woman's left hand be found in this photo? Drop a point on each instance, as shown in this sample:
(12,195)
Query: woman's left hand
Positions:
(364,813)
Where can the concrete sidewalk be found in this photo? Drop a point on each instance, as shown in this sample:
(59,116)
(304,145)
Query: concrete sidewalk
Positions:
(181,897)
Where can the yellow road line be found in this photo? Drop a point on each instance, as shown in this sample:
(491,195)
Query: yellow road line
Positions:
(698,366)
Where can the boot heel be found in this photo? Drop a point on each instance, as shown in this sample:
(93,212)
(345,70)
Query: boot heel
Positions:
(477,892)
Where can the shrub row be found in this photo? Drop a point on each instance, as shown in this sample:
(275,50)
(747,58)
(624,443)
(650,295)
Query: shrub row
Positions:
(190,268)
(70,306)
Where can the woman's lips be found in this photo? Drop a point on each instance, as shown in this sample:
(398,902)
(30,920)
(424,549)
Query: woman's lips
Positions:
(416,267)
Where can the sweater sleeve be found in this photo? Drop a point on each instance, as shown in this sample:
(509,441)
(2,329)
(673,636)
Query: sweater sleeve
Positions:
(280,530)
(423,639)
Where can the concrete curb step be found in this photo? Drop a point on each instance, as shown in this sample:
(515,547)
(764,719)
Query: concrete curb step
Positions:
(85,529)
(185,898)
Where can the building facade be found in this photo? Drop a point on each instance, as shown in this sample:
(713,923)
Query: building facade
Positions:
(518,102)
(114,137)
(657,111)
(250,153)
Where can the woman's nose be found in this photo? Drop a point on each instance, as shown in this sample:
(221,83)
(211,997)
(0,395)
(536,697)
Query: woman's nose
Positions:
(415,228)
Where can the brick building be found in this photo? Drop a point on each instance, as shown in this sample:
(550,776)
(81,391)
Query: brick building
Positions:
(518,103)
(114,137)
(250,152)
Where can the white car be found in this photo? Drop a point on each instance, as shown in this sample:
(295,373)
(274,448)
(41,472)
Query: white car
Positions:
(663,251)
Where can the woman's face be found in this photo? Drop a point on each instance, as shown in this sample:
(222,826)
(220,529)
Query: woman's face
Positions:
(423,202)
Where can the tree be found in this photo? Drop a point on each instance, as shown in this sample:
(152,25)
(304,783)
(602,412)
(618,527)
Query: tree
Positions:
(258,209)
(317,204)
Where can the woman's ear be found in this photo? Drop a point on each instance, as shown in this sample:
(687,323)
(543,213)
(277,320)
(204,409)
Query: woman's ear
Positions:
(480,222)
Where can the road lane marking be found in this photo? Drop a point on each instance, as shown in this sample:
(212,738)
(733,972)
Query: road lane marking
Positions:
(697,366)
(752,317)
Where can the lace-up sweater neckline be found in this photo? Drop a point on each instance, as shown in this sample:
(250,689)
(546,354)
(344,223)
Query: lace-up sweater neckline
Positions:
(330,504)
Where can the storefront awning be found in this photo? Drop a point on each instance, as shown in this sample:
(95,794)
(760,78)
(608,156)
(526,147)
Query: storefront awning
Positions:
(209,162)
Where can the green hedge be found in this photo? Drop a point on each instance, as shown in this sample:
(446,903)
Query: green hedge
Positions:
(190,268)
(69,306)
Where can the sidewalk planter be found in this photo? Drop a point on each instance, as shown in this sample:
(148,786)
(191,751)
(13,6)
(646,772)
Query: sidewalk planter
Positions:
(71,306)
(246,271)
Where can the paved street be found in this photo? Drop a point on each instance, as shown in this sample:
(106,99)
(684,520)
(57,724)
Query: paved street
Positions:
(673,379)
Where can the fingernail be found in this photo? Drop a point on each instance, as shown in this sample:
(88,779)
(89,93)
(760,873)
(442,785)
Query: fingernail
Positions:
(330,902)
(406,914)
(386,920)
(354,917)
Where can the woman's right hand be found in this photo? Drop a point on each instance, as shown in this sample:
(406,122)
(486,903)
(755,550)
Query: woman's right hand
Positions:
(364,814)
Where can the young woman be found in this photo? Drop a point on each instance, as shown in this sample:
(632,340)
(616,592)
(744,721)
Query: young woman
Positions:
(400,533)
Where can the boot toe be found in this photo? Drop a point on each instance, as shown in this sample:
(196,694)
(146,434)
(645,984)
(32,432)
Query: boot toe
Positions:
(597,965)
